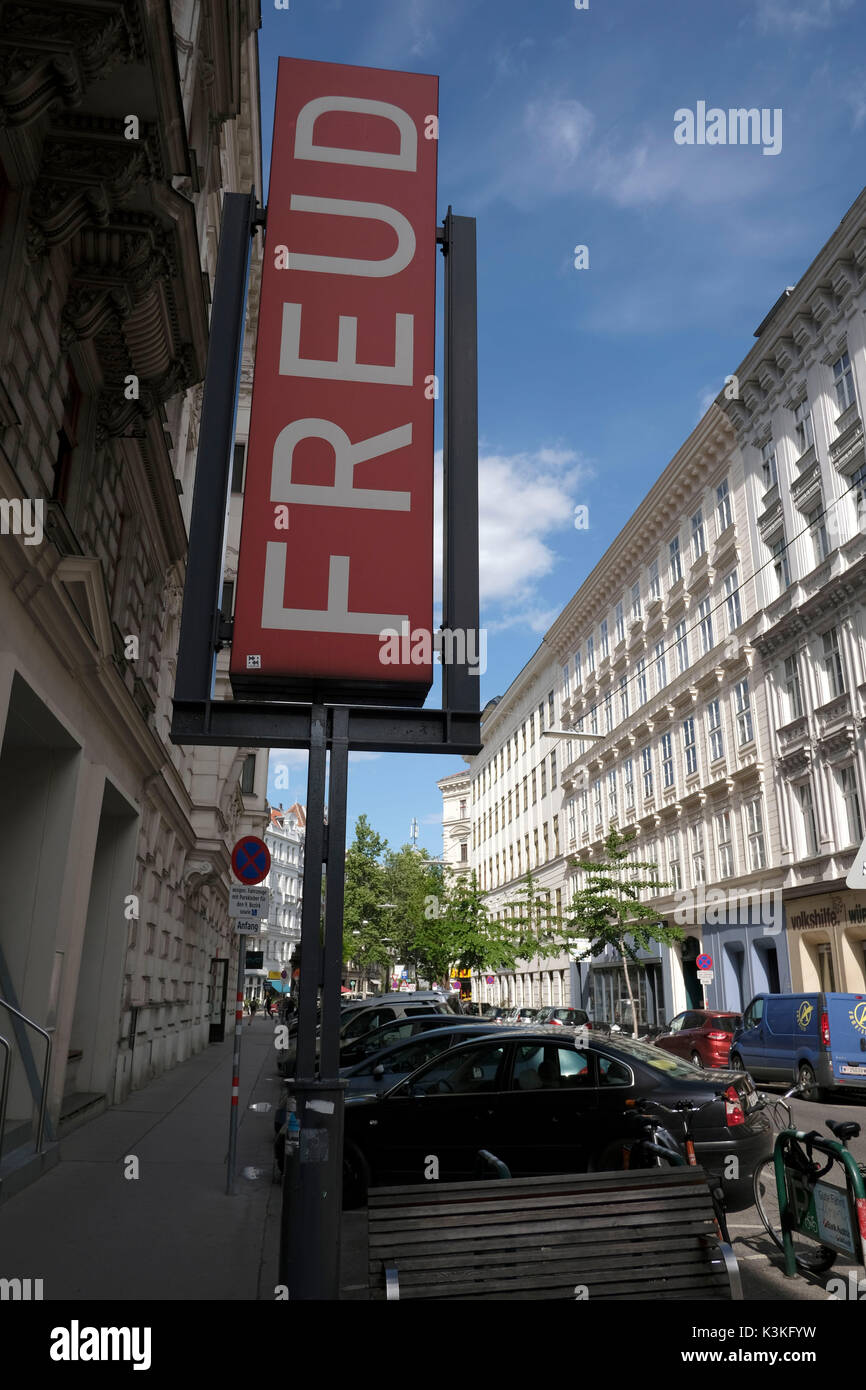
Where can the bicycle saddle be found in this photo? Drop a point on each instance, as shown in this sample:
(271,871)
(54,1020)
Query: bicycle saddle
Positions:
(844,1130)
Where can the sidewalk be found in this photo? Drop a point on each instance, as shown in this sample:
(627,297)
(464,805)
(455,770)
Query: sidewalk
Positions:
(172,1233)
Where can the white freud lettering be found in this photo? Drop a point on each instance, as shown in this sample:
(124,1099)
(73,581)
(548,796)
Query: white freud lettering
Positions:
(337,533)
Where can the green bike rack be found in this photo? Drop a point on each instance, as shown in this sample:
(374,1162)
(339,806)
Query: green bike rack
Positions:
(855,1191)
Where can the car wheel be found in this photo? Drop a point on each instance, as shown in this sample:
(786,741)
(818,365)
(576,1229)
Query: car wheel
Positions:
(697,1060)
(735,1062)
(808,1082)
(356,1177)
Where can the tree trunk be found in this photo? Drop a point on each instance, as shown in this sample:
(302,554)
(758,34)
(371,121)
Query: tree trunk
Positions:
(628,988)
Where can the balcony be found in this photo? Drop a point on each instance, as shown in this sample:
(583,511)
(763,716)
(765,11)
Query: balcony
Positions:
(794,733)
(834,713)
(848,441)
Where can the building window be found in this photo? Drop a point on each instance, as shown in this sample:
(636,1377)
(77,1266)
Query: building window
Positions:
(768,465)
(696,834)
(623,698)
(593,719)
(674,873)
(807,811)
(602,638)
(743,705)
(667,746)
(724,845)
(541,719)
(566,682)
(675,560)
(647,771)
(826,972)
(551,711)
(584,813)
(661,666)
(552,770)
(572,822)
(163,944)
(543,771)
(628,782)
(227,600)
(682,645)
(464,852)
(608,712)
(705,618)
(755,835)
(858,496)
(612,804)
(619,617)
(699,540)
(803,431)
(690,749)
(779,553)
(833,667)
(248,774)
(635,603)
(723,506)
(640,677)
(596,798)
(851,798)
(655,589)
(793,692)
(714,728)
(590,654)
(531,729)
(578,673)
(844,382)
(238,468)
(818,531)
(462,810)
(732,601)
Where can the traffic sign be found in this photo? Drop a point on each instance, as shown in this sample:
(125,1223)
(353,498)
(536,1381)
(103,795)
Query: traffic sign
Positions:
(247,928)
(704,962)
(250,903)
(251,859)
(856,878)
(705,976)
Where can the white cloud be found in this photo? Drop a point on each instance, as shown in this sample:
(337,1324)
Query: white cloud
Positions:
(525,499)
(782,16)
(364,757)
(707,396)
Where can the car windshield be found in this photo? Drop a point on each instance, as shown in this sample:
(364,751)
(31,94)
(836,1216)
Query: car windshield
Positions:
(726,1025)
(653,1057)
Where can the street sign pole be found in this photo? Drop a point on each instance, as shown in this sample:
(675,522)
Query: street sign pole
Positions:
(236,1071)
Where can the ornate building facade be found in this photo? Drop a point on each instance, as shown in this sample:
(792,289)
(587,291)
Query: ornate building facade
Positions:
(121,125)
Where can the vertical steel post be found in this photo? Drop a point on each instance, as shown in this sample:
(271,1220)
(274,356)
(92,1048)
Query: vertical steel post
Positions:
(460,606)
(231,1164)
(200,616)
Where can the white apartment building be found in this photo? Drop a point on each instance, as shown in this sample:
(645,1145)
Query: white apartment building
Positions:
(656,658)
(456,792)
(799,423)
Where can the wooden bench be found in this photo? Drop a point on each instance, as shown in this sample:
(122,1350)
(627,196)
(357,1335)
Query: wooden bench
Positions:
(633,1235)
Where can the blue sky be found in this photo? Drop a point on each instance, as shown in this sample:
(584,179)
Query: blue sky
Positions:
(556,129)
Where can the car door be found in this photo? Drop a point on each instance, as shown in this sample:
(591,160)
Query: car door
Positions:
(751,1043)
(434,1123)
(542,1120)
(671,1041)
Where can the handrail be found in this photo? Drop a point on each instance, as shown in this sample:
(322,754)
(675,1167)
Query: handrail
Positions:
(4,1092)
(47,1036)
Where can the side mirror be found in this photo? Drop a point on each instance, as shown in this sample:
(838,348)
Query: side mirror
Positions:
(379,1072)
(417,1092)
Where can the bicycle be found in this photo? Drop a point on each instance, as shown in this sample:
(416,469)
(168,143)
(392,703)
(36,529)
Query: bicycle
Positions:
(793,1172)
(658,1147)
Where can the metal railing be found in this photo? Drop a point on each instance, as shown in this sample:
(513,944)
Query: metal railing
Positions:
(43,1098)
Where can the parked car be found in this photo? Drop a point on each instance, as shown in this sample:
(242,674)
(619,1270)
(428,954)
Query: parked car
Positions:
(815,1040)
(701,1036)
(362,1019)
(519,1015)
(383,1069)
(365,1046)
(563,1017)
(544,1100)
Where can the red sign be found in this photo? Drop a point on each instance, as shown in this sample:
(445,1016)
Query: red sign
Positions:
(251,859)
(335,574)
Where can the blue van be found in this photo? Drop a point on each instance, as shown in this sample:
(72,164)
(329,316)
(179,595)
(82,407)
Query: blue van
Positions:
(815,1040)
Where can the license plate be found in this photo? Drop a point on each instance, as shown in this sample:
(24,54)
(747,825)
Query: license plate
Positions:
(853,1071)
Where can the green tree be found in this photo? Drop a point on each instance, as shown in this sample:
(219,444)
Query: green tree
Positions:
(608,911)
(409,880)
(363,915)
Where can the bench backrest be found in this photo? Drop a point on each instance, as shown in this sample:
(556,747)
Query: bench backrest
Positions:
(632,1235)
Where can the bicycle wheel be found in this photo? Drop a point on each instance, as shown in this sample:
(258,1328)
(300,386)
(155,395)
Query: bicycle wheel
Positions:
(811,1258)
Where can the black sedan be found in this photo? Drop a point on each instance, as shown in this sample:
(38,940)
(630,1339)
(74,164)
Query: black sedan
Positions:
(383,1067)
(361,1049)
(544,1100)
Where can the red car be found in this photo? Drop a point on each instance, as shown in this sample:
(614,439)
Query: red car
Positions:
(701,1036)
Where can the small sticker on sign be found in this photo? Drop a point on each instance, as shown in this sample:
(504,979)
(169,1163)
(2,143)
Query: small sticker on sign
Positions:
(254,663)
